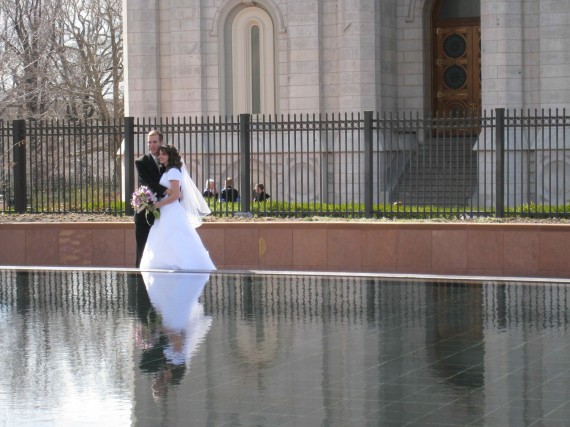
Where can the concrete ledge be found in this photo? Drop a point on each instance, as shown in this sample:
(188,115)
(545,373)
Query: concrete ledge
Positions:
(529,250)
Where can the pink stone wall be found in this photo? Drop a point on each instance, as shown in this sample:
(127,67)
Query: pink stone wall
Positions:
(458,249)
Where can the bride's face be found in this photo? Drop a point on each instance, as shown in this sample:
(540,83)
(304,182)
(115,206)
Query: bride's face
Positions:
(163,158)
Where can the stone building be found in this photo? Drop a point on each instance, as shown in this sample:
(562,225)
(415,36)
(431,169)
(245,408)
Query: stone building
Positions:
(225,57)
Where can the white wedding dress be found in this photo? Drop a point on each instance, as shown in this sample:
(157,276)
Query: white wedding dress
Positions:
(176,297)
(173,242)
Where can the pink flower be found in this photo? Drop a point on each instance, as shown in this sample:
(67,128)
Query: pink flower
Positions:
(143,199)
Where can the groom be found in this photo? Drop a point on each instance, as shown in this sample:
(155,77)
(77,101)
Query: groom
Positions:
(149,172)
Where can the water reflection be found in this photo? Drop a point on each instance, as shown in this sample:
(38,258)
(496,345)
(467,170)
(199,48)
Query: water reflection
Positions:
(458,348)
(172,326)
(180,349)
(65,352)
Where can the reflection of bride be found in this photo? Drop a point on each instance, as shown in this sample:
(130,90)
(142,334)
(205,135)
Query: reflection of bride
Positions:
(183,324)
(173,242)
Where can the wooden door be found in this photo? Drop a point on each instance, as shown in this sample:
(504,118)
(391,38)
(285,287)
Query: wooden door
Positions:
(457,70)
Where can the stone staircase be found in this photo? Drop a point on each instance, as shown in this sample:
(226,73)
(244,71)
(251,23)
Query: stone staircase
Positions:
(442,172)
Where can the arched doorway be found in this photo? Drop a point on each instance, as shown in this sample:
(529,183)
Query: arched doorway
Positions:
(456,57)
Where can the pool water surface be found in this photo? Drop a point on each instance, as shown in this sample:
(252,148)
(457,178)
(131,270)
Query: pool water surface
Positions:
(118,348)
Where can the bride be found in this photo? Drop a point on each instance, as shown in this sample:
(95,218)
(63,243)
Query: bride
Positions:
(173,242)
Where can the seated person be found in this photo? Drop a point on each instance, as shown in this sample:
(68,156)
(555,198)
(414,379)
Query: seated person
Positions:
(260,194)
(210,189)
(229,193)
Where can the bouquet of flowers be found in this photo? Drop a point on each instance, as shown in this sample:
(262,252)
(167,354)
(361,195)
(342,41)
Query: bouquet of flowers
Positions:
(144,200)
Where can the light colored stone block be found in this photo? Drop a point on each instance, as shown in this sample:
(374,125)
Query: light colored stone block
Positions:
(367,50)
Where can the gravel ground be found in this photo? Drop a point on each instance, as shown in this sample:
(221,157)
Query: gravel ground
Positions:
(77,217)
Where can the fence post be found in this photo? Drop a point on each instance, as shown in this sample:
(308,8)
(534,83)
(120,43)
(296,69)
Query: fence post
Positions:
(245,184)
(368,164)
(129,162)
(19,153)
(500,162)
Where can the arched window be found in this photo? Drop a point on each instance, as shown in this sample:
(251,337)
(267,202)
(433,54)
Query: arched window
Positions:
(253,69)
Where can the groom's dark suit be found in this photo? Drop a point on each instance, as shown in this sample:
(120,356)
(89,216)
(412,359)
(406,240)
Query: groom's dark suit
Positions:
(149,175)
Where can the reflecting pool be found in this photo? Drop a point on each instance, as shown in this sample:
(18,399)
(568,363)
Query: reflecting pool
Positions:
(116,348)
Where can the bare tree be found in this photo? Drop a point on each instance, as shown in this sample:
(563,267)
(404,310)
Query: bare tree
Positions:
(27,36)
(91,58)
(61,58)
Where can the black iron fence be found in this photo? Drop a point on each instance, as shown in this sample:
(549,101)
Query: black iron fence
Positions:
(351,165)
(59,167)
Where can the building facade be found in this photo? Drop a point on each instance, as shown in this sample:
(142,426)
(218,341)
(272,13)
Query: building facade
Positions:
(222,57)
(205,58)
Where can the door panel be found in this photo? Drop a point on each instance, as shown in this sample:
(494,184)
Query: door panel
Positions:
(457,70)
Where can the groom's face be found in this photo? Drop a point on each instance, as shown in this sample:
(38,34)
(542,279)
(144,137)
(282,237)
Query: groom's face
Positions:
(154,144)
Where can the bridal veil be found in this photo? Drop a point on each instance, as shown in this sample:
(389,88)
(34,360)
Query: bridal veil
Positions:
(192,200)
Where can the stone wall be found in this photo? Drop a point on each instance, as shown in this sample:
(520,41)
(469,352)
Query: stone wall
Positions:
(525,250)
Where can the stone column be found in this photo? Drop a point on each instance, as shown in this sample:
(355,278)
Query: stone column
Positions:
(184,70)
(304,56)
(141,57)
(501,53)
(357,64)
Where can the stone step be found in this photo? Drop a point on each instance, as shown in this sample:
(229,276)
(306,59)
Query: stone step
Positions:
(440,172)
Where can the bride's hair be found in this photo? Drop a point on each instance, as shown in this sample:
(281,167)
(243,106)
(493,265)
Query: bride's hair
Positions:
(174,159)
